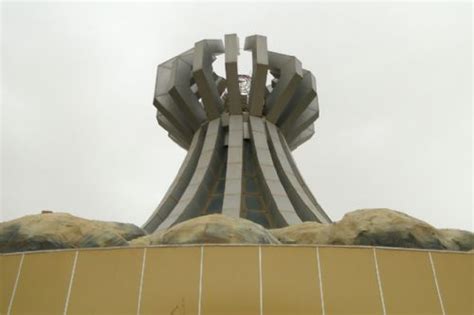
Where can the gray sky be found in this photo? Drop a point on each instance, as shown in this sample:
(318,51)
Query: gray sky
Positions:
(394,80)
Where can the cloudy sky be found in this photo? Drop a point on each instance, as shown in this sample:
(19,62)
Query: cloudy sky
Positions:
(394,80)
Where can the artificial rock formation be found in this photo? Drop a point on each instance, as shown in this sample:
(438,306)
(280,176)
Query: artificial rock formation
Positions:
(239,132)
(377,227)
(373,227)
(210,229)
(63,230)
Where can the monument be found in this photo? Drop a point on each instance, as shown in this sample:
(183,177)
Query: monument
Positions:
(239,132)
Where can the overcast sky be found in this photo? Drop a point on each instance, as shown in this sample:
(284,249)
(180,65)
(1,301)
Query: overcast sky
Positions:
(394,80)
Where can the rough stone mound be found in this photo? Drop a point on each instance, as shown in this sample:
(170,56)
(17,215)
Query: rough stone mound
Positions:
(63,230)
(214,228)
(464,240)
(377,227)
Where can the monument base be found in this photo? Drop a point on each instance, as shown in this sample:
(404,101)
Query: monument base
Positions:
(237,279)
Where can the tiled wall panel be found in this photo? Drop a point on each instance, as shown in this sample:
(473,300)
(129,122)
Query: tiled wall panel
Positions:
(171,281)
(8,272)
(290,281)
(455,274)
(230,277)
(407,282)
(106,282)
(43,283)
(239,280)
(349,281)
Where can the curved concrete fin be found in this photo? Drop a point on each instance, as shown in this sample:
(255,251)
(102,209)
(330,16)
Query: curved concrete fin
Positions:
(182,94)
(306,209)
(165,103)
(304,136)
(300,179)
(290,73)
(181,143)
(220,82)
(193,199)
(232,73)
(166,106)
(173,133)
(277,198)
(305,94)
(303,122)
(258,45)
(204,52)
(232,205)
(179,184)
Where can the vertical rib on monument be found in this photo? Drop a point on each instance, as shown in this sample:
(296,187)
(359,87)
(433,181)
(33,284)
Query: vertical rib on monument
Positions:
(239,134)
(204,52)
(232,73)
(258,45)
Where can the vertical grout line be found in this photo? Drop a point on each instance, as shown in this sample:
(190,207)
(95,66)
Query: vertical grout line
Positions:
(260,273)
(141,281)
(323,308)
(200,279)
(12,297)
(73,272)
(379,282)
(436,284)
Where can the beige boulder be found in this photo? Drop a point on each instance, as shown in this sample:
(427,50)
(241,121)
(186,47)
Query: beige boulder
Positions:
(376,227)
(304,233)
(63,230)
(458,239)
(214,228)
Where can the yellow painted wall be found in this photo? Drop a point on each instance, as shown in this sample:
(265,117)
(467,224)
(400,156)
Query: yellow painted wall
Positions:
(227,279)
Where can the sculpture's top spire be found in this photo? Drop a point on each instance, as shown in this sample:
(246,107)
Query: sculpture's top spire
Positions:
(188,92)
(238,132)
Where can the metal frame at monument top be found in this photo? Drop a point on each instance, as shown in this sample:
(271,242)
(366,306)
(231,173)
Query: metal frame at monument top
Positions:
(239,144)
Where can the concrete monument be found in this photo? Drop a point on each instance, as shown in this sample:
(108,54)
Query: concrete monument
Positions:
(239,133)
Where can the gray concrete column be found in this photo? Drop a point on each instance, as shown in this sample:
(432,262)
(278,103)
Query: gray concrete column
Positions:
(232,73)
(204,52)
(290,73)
(304,95)
(166,105)
(232,205)
(258,45)
(182,94)
(275,193)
